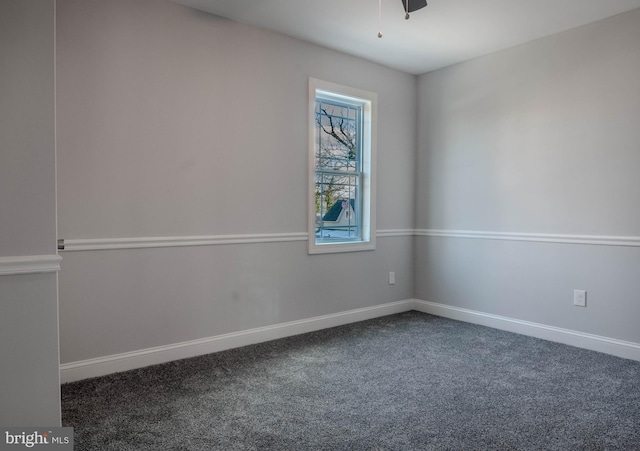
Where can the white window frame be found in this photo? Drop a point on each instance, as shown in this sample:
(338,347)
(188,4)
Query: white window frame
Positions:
(368,100)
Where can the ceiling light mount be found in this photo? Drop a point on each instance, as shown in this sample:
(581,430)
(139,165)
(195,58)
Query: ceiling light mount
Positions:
(409,7)
(413,5)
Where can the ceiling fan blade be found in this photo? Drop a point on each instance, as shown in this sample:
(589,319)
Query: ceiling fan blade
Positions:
(414,5)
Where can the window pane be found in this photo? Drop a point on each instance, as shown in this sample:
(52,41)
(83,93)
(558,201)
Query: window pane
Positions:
(337,209)
(337,131)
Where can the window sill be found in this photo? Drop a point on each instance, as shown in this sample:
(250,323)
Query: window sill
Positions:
(331,248)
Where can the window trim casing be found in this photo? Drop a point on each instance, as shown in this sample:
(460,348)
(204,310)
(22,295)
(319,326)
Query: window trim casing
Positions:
(369,101)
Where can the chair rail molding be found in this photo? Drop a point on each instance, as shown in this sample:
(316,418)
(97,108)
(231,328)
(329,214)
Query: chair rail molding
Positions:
(600,240)
(29,264)
(96,244)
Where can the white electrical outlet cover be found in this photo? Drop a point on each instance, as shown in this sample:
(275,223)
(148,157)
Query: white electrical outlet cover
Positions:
(580,298)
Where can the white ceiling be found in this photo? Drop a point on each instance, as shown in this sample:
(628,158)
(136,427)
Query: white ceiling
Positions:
(443,33)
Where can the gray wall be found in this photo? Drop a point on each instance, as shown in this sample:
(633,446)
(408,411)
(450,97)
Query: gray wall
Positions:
(541,138)
(178,123)
(29,381)
(172,123)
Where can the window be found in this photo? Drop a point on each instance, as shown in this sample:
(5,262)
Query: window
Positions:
(342,125)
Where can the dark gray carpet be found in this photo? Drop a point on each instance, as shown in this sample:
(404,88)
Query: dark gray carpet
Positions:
(402,382)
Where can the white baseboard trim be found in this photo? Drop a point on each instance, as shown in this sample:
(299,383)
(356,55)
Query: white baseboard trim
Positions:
(101,366)
(620,348)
